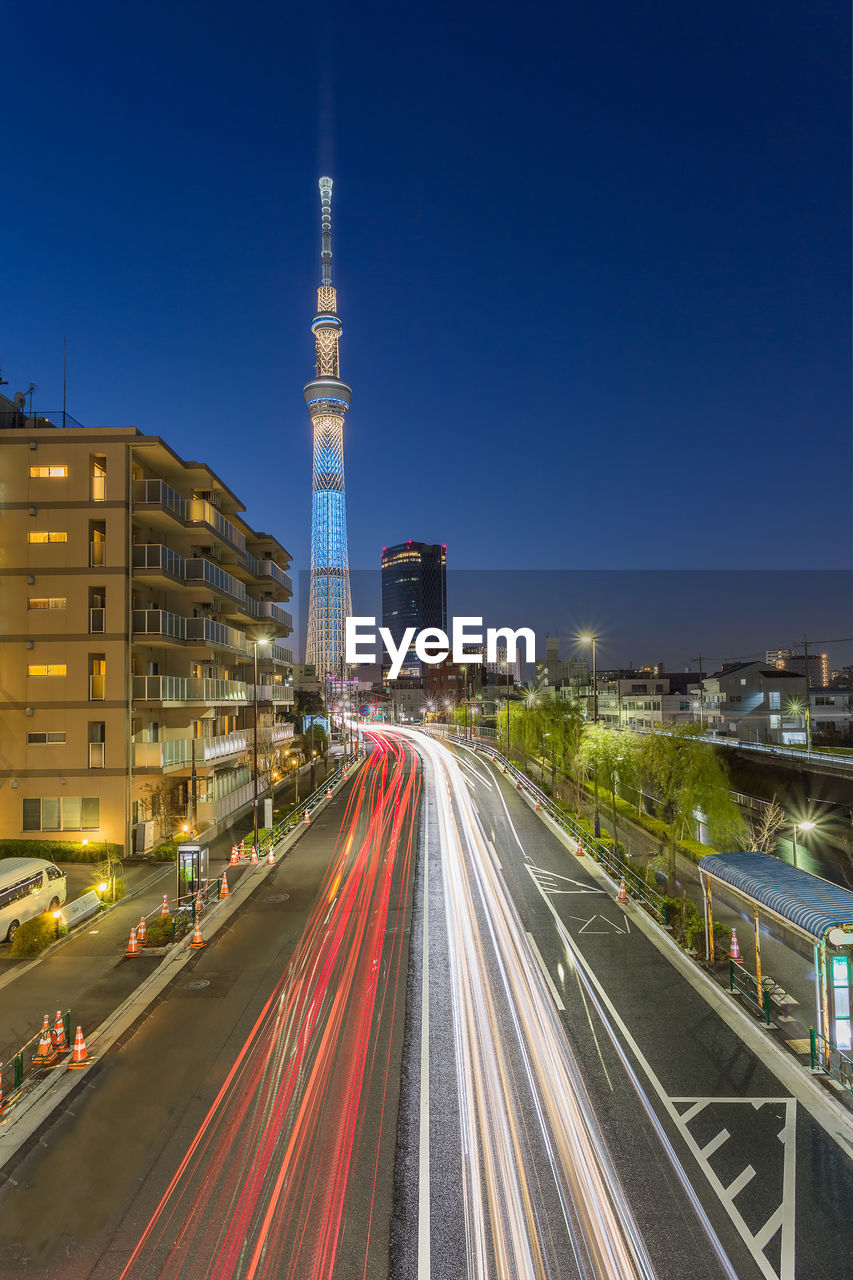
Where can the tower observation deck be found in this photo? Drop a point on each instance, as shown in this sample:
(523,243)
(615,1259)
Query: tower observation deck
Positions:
(328,399)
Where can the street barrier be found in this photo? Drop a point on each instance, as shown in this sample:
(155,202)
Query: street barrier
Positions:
(744,984)
(617,869)
(828,1057)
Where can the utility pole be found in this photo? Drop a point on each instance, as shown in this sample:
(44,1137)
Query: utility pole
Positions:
(808,708)
(701,692)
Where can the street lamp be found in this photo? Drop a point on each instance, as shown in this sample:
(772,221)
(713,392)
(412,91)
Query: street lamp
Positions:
(255,644)
(800,826)
(593,640)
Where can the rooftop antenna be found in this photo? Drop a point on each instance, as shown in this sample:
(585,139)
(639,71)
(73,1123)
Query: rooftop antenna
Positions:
(64,377)
(4,382)
(30,389)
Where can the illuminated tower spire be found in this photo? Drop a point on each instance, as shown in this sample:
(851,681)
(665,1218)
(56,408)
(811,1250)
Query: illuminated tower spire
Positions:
(328,400)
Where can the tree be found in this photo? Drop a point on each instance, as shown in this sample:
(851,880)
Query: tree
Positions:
(611,756)
(688,776)
(761,833)
(160,806)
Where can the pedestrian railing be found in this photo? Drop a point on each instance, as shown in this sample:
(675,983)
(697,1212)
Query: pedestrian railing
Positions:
(308,805)
(635,886)
(745,985)
(21,1062)
(829,1058)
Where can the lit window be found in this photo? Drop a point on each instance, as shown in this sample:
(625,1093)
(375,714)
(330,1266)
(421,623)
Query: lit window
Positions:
(47,602)
(45,535)
(46,669)
(45,738)
(45,473)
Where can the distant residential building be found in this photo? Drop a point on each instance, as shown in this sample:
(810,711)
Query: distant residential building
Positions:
(638,702)
(414,594)
(788,660)
(305,678)
(407,701)
(832,711)
(757,703)
(557,673)
(133,592)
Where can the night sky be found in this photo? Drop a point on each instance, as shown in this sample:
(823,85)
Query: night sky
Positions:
(593,266)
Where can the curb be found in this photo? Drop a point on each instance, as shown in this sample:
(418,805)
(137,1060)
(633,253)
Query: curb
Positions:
(31,1111)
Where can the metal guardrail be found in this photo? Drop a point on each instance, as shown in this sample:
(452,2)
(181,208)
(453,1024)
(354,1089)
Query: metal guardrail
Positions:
(616,868)
(770,748)
(745,984)
(829,1058)
(297,814)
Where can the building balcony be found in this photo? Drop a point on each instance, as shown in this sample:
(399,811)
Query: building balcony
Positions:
(184,689)
(158,563)
(276,653)
(200,511)
(160,626)
(206,631)
(282,732)
(171,754)
(269,569)
(278,693)
(205,750)
(215,810)
(269,609)
(221,583)
(158,498)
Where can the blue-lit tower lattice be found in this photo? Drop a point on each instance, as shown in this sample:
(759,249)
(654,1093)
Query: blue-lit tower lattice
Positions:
(328,399)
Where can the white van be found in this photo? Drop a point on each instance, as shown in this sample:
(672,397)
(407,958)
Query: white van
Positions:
(28,886)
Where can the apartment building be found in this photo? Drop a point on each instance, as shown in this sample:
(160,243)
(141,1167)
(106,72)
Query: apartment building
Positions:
(136,605)
(756,703)
(638,702)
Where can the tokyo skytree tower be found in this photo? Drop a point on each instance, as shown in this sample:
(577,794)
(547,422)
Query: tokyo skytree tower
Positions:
(328,399)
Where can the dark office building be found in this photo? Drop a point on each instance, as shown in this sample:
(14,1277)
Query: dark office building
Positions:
(414,594)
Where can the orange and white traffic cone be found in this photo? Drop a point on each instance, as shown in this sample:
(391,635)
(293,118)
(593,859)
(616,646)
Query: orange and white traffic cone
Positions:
(133,945)
(59,1033)
(254,858)
(270,858)
(344,775)
(579,850)
(198,941)
(142,932)
(538,805)
(45,1052)
(224,891)
(235,854)
(306,819)
(734,953)
(164,910)
(199,904)
(79,1056)
(518,784)
(623,896)
(328,793)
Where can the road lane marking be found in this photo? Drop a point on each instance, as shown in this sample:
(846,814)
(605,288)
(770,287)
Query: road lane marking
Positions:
(745,1176)
(715,1144)
(545,974)
(423,1154)
(494,854)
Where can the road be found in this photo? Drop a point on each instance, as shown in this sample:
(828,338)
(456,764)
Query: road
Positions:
(605,1120)
(432,1045)
(251,1119)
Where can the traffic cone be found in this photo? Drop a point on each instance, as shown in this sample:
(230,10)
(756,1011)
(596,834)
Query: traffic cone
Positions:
(164,910)
(45,1052)
(344,774)
(235,854)
(198,941)
(142,932)
(59,1033)
(254,858)
(518,784)
(306,819)
(79,1056)
(133,945)
(199,905)
(623,896)
(579,850)
(538,805)
(328,793)
(270,858)
(734,953)
(224,891)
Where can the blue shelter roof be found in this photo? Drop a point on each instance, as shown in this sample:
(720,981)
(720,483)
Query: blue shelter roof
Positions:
(809,902)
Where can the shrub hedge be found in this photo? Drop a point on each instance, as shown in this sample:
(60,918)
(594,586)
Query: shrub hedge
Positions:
(59,850)
(34,935)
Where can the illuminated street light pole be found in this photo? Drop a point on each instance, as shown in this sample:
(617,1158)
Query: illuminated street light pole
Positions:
(593,640)
(801,826)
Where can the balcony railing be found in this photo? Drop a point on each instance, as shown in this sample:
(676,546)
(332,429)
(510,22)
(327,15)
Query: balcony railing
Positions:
(158,622)
(225,744)
(156,493)
(203,512)
(277,653)
(97,688)
(214,810)
(269,609)
(272,693)
(96,755)
(153,555)
(282,732)
(202,570)
(97,554)
(96,621)
(188,689)
(207,631)
(162,755)
(269,569)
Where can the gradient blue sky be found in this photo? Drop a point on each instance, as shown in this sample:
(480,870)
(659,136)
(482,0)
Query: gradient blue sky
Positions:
(592,261)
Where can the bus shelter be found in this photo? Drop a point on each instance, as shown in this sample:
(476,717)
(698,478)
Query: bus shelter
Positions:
(819,911)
